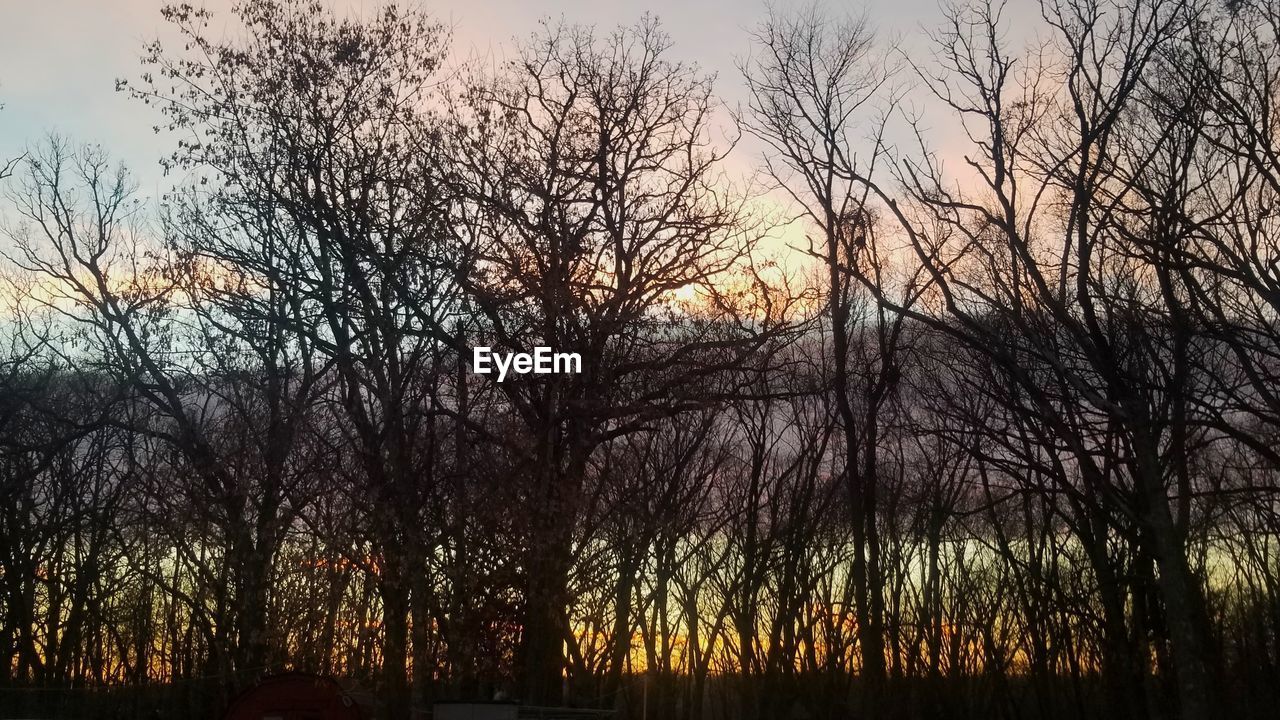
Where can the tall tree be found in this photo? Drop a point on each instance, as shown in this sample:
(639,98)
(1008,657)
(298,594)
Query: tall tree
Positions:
(813,82)
(317,136)
(592,200)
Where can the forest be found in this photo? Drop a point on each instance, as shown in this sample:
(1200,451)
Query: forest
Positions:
(889,427)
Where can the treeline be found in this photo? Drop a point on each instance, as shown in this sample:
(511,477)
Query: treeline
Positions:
(1002,443)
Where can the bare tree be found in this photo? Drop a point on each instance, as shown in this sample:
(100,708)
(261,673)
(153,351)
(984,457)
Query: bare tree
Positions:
(590,201)
(1076,305)
(315,132)
(814,82)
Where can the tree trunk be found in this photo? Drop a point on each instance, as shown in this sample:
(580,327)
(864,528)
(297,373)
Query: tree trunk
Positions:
(1183,601)
(395,645)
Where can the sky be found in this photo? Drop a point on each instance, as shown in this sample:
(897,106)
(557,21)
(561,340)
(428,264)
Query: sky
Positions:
(59,59)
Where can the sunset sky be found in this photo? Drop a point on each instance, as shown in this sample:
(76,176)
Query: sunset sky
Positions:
(930,372)
(59,59)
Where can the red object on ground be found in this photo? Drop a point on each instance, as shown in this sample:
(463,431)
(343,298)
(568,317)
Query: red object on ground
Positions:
(294,696)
